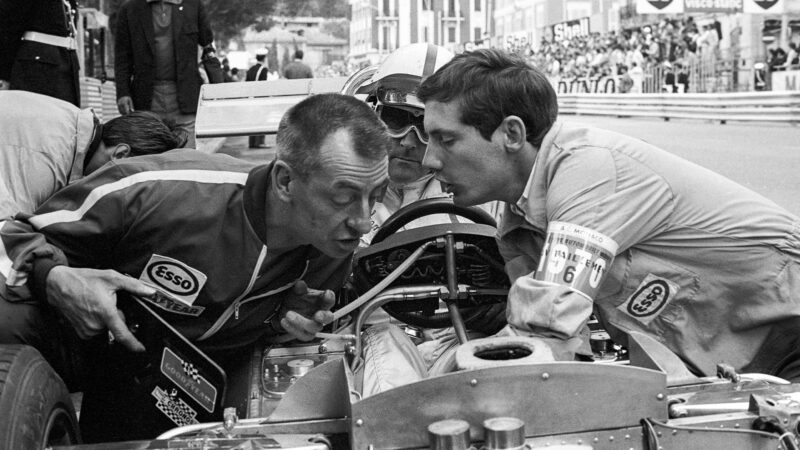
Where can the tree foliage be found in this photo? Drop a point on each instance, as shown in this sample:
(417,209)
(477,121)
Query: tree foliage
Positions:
(228,18)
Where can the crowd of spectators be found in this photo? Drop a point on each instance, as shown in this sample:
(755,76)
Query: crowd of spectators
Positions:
(606,54)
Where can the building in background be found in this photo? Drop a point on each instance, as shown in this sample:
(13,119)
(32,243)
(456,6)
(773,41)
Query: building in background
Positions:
(377,27)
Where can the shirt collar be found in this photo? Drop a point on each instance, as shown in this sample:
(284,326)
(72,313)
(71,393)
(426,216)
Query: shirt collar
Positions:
(521,206)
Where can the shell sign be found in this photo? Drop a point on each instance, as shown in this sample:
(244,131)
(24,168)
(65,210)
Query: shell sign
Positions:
(764,6)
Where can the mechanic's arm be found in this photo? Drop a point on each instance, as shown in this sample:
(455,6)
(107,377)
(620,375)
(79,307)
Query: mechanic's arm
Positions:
(592,217)
(81,228)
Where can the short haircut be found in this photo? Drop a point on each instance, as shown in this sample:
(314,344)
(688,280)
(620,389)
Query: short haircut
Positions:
(144,132)
(298,54)
(490,85)
(306,125)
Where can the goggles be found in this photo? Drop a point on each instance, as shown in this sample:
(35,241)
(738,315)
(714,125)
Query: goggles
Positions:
(400,121)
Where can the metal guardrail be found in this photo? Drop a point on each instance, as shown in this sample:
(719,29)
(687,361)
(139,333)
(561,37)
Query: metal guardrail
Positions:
(736,106)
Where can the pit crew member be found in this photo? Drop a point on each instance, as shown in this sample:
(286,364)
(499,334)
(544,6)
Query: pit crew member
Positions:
(597,219)
(47,143)
(247,251)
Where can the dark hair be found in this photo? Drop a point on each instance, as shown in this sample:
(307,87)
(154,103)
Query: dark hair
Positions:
(298,54)
(144,132)
(306,125)
(490,85)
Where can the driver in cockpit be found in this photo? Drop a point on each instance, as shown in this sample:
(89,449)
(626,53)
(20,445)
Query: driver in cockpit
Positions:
(392,90)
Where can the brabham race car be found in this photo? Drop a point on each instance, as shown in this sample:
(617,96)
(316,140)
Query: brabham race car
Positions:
(503,395)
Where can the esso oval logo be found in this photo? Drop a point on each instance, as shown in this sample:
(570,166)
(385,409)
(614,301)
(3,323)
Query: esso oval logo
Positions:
(173,278)
(649,299)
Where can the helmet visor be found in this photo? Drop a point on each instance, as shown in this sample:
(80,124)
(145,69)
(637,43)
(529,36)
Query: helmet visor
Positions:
(400,121)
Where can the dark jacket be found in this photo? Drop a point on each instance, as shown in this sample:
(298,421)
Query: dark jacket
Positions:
(254,75)
(33,66)
(229,286)
(297,69)
(135,63)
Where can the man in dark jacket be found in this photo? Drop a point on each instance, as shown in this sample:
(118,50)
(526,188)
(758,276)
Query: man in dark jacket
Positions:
(156,58)
(260,247)
(297,68)
(38,48)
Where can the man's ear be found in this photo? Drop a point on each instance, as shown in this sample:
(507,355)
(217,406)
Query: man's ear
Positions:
(513,133)
(121,151)
(282,177)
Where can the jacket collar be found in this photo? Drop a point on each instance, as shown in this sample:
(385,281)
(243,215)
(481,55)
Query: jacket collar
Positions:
(530,208)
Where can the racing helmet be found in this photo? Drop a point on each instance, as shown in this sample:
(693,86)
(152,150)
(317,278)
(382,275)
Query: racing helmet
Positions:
(393,87)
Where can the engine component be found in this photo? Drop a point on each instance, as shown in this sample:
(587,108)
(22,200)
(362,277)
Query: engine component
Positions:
(504,433)
(450,434)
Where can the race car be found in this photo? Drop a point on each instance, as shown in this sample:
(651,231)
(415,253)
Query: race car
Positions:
(505,393)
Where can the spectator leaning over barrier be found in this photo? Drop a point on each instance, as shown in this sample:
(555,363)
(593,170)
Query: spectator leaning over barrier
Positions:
(47,143)
(625,80)
(156,44)
(596,220)
(258,240)
(682,78)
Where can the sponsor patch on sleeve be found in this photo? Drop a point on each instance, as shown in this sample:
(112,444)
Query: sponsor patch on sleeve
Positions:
(649,299)
(180,281)
(576,256)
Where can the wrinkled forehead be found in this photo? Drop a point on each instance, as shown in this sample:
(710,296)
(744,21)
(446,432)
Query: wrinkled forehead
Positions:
(341,163)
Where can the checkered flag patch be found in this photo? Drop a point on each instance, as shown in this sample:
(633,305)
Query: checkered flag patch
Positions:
(175,408)
(190,370)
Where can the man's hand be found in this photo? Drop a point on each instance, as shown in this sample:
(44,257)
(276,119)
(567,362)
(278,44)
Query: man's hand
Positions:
(88,299)
(125,105)
(306,311)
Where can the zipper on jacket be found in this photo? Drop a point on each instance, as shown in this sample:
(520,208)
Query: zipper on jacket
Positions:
(235,306)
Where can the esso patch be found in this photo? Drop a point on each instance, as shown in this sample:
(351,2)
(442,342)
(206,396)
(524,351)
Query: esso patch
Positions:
(576,256)
(649,299)
(174,277)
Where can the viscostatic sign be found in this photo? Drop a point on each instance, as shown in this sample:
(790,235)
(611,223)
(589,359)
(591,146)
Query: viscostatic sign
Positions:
(713,6)
(710,6)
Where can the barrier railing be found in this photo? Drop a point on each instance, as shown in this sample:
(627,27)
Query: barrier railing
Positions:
(736,106)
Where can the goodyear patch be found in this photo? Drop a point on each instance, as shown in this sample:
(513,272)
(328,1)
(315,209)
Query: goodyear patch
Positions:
(649,299)
(180,281)
(185,376)
(174,407)
(167,303)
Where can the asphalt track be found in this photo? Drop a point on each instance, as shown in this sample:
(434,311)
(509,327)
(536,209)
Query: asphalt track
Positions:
(765,157)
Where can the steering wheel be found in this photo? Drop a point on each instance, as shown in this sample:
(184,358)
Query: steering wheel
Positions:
(427,207)
(484,317)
